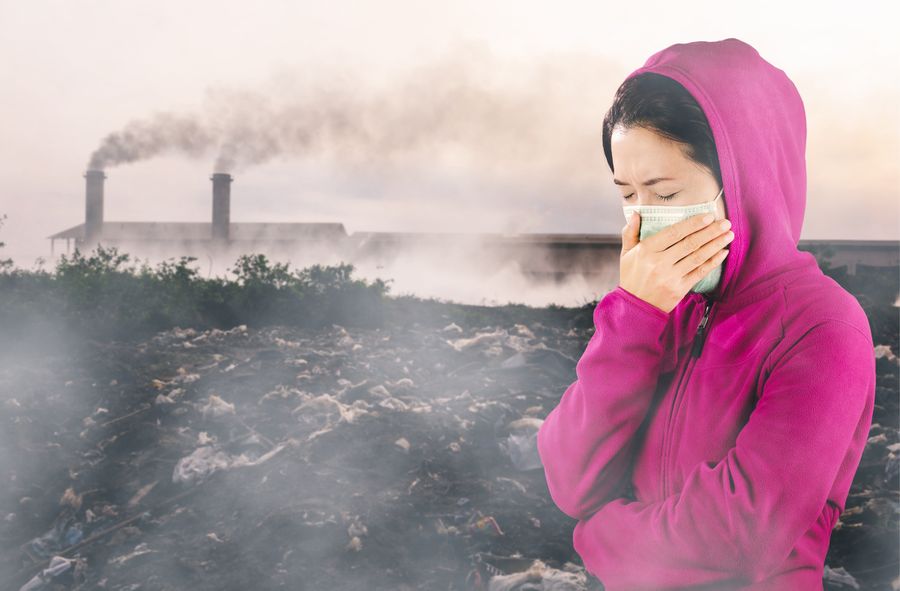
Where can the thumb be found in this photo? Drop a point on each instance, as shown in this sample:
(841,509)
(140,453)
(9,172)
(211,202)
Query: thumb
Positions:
(631,232)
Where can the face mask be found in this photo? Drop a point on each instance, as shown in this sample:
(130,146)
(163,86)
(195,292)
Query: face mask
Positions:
(656,217)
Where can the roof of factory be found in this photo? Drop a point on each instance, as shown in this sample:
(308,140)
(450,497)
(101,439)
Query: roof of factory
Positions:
(241,231)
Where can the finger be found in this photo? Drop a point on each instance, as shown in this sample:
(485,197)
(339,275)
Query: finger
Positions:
(699,256)
(631,232)
(703,270)
(670,235)
(694,244)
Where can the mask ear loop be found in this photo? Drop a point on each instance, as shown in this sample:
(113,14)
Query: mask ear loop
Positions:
(719,195)
(721,191)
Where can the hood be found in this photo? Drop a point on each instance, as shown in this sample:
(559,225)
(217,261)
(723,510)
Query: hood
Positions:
(758,123)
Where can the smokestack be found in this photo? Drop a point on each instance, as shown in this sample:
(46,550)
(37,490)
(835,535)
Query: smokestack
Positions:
(221,210)
(93,214)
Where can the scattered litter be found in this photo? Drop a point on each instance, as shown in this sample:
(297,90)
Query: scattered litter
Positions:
(518,485)
(393,404)
(70,499)
(185,377)
(555,363)
(405,385)
(892,464)
(521,444)
(139,550)
(493,342)
(840,577)
(348,402)
(540,577)
(379,391)
(204,438)
(140,494)
(66,531)
(354,544)
(327,410)
(524,331)
(58,566)
(206,460)
(281,392)
(885,352)
(170,398)
(357,528)
(484,523)
(216,407)
(877,439)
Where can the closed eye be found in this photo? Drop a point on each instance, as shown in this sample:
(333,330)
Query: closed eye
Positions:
(663,197)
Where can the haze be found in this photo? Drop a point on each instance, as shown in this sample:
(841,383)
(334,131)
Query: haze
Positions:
(522,88)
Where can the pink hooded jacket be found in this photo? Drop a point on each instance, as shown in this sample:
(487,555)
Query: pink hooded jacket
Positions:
(721,458)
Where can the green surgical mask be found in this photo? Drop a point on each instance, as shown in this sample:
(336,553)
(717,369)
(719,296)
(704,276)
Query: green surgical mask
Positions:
(656,217)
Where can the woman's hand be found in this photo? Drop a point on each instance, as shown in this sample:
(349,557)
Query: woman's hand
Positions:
(662,268)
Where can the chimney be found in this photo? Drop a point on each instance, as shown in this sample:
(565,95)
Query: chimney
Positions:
(93,214)
(221,210)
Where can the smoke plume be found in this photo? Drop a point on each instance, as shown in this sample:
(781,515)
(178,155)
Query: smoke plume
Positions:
(150,137)
(534,119)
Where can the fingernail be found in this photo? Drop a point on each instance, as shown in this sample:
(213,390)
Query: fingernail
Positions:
(708,218)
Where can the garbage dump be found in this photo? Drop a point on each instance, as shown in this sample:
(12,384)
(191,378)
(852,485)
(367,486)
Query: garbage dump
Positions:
(335,458)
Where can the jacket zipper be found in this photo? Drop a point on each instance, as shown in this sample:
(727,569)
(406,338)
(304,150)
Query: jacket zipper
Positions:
(696,350)
(700,335)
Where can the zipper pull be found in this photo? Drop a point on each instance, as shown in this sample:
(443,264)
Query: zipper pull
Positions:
(700,335)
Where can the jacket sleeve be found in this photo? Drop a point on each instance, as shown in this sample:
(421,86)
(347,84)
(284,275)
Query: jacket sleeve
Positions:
(739,519)
(586,442)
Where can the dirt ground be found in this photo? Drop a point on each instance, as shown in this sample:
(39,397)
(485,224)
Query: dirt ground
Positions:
(340,459)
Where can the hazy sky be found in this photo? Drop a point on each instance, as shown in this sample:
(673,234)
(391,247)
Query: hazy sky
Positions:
(521,87)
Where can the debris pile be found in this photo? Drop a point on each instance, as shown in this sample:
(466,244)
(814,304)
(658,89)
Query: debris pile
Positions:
(334,458)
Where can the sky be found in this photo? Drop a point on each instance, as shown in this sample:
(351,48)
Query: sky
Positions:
(522,88)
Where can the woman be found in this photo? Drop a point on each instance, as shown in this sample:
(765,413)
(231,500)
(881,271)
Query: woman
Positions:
(723,403)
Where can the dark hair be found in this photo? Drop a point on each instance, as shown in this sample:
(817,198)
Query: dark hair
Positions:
(660,104)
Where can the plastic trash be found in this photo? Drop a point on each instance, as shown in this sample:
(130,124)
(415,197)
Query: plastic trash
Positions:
(216,407)
(66,531)
(885,351)
(521,444)
(58,565)
(540,577)
(892,465)
(840,577)
(549,361)
(452,327)
(483,523)
(139,550)
(207,459)
(522,450)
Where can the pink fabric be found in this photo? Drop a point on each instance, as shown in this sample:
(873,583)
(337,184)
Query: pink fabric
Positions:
(727,470)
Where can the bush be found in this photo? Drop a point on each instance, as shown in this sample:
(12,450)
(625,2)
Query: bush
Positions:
(104,295)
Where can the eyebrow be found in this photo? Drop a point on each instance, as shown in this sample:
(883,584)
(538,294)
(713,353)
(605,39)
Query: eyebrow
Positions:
(647,183)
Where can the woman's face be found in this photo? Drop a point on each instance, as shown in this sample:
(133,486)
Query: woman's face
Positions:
(642,156)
